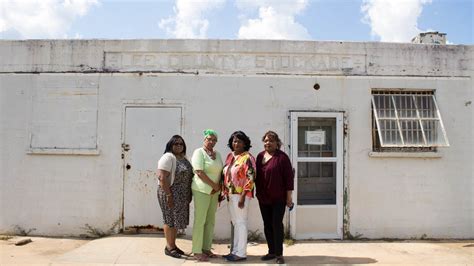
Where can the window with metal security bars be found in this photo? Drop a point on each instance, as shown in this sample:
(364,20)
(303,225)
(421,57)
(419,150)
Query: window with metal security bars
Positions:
(406,121)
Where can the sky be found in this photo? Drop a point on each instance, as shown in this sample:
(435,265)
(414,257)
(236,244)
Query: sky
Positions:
(319,20)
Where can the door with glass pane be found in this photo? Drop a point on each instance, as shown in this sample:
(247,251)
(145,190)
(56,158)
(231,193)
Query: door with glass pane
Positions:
(317,156)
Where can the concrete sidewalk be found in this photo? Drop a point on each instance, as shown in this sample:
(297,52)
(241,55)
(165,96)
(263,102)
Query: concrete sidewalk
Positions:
(148,249)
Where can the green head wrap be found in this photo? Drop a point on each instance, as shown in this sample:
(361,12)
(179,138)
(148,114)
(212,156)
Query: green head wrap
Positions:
(209,132)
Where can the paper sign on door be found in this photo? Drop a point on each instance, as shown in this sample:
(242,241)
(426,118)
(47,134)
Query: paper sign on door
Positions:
(317,137)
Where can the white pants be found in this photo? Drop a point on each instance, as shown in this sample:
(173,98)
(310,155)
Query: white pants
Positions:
(239,219)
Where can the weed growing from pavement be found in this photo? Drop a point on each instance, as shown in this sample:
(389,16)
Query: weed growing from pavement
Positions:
(288,240)
(20,231)
(357,236)
(95,232)
(254,236)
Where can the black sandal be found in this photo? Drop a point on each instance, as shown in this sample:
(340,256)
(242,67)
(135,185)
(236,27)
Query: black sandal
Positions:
(172,253)
(179,251)
(280,260)
(268,257)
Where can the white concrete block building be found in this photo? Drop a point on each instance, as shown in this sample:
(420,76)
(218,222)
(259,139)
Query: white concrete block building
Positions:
(380,134)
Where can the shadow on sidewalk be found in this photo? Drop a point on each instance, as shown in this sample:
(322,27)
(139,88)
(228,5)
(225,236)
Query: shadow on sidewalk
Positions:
(327,260)
(308,260)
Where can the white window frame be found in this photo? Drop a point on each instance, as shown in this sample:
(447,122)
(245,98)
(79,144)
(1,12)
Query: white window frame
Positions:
(443,142)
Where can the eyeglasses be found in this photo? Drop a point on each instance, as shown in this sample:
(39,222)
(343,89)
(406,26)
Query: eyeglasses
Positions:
(211,139)
(178,144)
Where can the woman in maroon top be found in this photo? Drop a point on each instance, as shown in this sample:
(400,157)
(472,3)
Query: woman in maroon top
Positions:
(274,185)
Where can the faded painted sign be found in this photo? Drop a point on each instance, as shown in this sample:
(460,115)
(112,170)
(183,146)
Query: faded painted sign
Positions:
(236,62)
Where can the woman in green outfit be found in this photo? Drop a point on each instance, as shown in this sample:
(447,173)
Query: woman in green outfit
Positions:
(207,165)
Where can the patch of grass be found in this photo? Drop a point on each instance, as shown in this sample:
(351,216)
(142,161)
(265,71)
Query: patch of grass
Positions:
(4,238)
(289,241)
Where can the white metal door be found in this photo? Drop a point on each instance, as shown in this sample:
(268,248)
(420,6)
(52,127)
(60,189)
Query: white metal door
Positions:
(317,156)
(146,132)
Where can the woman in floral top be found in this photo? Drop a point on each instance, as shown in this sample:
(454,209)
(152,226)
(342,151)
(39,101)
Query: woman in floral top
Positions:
(239,176)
